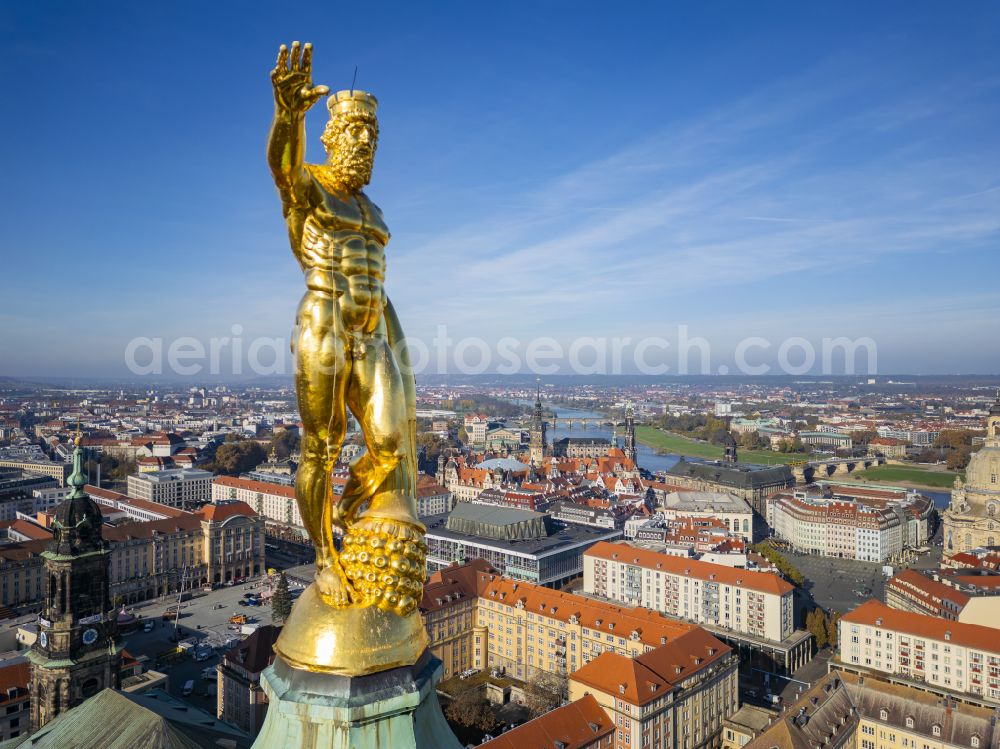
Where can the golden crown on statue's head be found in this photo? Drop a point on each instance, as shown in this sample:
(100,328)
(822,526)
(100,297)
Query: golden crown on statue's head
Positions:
(346,102)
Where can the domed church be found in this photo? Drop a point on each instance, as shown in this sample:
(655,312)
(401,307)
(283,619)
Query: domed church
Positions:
(973,517)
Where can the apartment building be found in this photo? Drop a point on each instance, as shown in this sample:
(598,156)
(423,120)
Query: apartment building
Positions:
(448,608)
(432,498)
(22,580)
(815,524)
(475,427)
(15,719)
(177,487)
(942,655)
(274,502)
(674,696)
(57,471)
(135,509)
(754,603)
(524,629)
(969,596)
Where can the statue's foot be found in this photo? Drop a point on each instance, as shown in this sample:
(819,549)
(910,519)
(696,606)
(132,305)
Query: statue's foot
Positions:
(333,585)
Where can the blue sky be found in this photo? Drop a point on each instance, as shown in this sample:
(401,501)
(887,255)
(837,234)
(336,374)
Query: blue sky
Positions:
(549,169)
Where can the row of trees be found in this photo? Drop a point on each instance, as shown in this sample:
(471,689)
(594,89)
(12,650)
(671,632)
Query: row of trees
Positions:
(823,627)
(696,426)
(786,568)
(484,403)
(112,468)
(957,447)
(470,708)
(237,455)
(791,445)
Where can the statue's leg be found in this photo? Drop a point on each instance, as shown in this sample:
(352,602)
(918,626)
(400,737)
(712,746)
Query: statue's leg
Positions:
(319,377)
(397,342)
(378,399)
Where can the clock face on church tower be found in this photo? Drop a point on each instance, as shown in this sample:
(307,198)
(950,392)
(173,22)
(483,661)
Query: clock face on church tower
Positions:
(43,639)
(90,636)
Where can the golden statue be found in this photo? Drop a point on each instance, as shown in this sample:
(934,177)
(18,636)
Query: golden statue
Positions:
(360,615)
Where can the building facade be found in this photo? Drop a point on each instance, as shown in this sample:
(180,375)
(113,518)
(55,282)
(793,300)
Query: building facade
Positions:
(760,604)
(843,529)
(972,519)
(274,502)
(448,608)
(731,509)
(523,629)
(185,488)
(239,698)
(942,655)
(969,596)
(520,544)
(672,697)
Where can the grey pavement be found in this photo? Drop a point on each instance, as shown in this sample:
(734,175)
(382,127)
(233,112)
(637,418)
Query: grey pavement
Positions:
(204,618)
(843,584)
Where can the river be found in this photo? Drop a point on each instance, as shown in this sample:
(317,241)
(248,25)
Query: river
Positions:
(645,455)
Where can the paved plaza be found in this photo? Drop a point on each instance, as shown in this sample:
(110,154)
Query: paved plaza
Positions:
(842,584)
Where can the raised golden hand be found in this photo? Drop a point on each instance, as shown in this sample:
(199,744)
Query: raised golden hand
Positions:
(292,79)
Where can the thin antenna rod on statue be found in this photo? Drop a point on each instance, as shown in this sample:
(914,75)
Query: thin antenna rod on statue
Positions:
(354,79)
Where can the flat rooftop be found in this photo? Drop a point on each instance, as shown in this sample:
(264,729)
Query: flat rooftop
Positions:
(562,537)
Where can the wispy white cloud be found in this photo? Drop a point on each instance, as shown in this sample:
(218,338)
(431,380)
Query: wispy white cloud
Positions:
(727,200)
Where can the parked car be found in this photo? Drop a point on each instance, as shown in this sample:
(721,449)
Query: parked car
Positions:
(188,689)
(209,674)
(148,626)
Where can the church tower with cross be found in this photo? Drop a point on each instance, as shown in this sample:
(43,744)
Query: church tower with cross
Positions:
(536,441)
(78,652)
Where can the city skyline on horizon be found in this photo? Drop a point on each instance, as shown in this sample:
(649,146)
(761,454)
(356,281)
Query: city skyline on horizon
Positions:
(816,174)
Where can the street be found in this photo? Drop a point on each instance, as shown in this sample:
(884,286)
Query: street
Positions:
(204,618)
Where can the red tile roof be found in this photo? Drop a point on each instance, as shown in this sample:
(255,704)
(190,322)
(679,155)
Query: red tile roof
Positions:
(257,486)
(650,675)
(651,627)
(458,582)
(876,614)
(930,592)
(577,725)
(427,486)
(14,676)
(218,512)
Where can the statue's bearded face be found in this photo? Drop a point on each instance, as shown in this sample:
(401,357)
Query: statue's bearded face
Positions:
(350,142)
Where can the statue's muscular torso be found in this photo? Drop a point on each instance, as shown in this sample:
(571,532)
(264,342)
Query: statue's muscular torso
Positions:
(341,248)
